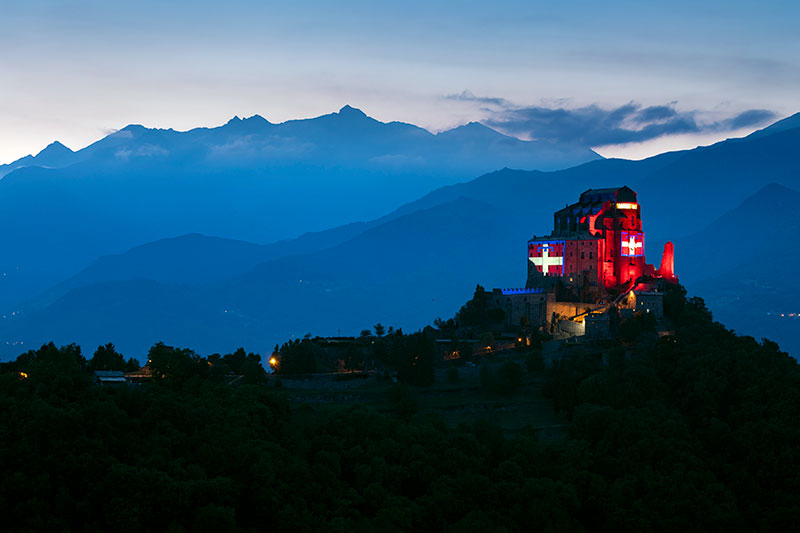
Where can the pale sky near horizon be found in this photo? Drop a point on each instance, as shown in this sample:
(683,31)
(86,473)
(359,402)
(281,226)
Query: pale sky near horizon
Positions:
(74,70)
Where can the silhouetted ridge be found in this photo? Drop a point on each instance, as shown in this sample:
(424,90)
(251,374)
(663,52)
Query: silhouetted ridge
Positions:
(472,129)
(55,148)
(131,128)
(350,111)
(420,262)
(246,179)
(250,124)
(789,123)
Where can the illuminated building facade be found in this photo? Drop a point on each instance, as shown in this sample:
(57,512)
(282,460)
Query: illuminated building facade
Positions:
(593,261)
(596,242)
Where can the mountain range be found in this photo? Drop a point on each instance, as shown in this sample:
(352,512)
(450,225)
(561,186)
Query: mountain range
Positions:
(744,265)
(249,179)
(423,259)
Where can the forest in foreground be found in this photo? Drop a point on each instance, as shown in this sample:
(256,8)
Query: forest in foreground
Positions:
(692,431)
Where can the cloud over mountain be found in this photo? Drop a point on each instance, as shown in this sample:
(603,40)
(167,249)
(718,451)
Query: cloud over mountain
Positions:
(594,125)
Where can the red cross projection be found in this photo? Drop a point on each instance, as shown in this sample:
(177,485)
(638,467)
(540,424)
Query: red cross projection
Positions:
(548,257)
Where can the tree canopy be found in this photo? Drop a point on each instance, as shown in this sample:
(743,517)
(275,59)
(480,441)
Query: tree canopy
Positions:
(693,431)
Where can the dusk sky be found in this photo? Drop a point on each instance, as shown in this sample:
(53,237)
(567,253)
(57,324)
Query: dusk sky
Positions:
(642,77)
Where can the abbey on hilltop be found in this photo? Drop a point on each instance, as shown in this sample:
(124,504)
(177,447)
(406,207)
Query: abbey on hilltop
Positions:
(594,258)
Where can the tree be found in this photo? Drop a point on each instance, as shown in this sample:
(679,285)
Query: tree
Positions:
(379,329)
(60,372)
(413,356)
(107,358)
(534,361)
(487,340)
(298,357)
(219,368)
(503,379)
(354,358)
(474,313)
(447,328)
(132,365)
(403,400)
(175,366)
(252,370)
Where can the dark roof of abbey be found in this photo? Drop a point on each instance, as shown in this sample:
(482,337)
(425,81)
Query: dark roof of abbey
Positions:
(592,200)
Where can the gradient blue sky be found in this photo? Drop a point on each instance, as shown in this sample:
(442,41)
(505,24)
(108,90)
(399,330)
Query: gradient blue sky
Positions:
(74,70)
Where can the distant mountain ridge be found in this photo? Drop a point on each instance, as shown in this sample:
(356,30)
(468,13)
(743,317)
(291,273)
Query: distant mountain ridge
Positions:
(744,266)
(335,135)
(53,155)
(680,191)
(788,123)
(424,259)
(248,180)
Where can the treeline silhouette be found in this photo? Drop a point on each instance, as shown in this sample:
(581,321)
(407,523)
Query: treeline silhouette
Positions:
(693,431)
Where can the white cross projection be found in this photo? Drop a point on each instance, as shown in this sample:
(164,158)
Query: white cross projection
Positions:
(632,245)
(546,261)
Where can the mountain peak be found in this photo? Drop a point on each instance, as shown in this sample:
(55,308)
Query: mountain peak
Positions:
(477,126)
(775,191)
(257,119)
(131,128)
(789,123)
(254,121)
(473,129)
(347,110)
(55,148)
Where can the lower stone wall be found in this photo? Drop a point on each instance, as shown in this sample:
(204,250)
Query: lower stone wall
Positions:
(650,302)
(517,307)
(570,309)
(571,328)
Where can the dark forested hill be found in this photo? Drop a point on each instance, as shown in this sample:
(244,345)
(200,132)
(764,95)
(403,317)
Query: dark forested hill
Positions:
(694,431)
(404,271)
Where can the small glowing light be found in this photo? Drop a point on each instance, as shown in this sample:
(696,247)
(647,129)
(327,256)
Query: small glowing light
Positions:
(273,361)
(627,205)
(632,295)
(23,375)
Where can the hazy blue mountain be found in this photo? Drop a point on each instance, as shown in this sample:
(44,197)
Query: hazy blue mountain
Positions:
(788,123)
(424,259)
(248,180)
(681,192)
(406,272)
(744,264)
(192,259)
(54,155)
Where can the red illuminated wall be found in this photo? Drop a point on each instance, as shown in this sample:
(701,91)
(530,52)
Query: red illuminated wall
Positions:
(616,268)
(590,234)
(582,255)
(667,268)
